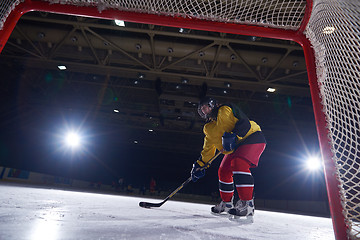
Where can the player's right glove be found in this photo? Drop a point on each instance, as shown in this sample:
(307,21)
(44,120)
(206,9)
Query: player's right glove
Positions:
(197,172)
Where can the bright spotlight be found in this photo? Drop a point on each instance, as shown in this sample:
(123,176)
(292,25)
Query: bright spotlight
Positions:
(314,163)
(72,139)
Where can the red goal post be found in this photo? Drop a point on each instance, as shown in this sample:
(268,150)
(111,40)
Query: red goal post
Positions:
(328,31)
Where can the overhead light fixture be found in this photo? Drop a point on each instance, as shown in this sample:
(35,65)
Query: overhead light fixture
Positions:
(141,76)
(314,163)
(184,30)
(328,30)
(116,110)
(271,90)
(61,67)
(138,46)
(41,35)
(184,81)
(74,39)
(119,23)
(252,38)
(227,84)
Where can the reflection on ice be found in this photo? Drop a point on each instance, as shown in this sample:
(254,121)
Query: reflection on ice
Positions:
(47,224)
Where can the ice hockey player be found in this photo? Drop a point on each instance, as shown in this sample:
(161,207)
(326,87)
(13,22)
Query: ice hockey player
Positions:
(227,128)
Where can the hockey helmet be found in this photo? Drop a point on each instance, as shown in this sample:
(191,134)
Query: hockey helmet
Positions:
(209,101)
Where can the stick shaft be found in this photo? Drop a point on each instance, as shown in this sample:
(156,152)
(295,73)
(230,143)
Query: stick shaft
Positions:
(147,204)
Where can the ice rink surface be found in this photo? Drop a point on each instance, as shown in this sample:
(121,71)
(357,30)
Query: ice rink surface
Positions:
(39,213)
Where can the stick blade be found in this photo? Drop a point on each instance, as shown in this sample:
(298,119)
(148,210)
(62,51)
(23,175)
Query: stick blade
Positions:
(149,205)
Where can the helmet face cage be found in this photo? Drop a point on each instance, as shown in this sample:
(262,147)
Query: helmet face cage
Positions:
(206,101)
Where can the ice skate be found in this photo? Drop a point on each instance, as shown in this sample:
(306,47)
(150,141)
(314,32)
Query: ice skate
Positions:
(222,208)
(243,211)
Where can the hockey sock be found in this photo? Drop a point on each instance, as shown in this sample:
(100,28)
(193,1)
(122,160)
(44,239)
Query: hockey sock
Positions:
(244,183)
(226,190)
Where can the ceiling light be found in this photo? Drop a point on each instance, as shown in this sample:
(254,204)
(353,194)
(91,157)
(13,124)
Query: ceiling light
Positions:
(233,57)
(313,163)
(184,81)
(72,139)
(119,23)
(141,76)
(41,35)
(150,130)
(61,67)
(252,38)
(227,84)
(116,110)
(264,59)
(184,30)
(271,89)
(328,30)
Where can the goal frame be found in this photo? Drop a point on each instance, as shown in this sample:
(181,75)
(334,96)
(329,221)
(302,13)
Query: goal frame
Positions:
(332,183)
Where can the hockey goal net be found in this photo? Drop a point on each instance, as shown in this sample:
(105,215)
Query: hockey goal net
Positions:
(329,32)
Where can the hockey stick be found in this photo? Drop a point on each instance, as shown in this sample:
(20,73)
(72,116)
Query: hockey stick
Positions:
(149,205)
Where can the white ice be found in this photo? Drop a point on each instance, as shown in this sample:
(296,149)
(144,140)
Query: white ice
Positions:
(52,214)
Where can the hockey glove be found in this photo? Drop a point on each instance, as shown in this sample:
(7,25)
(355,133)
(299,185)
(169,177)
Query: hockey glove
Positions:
(229,141)
(197,172)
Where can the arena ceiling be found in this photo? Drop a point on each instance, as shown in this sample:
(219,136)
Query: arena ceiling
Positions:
(139,77)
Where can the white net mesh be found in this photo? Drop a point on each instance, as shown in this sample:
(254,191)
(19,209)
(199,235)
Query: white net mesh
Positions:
(334,32)
(6,6)
(286,14)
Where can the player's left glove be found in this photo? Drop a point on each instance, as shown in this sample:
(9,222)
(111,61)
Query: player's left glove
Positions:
(197,172)
(229,141)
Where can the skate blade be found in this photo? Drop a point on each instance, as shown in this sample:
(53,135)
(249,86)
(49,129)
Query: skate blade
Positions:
(241,220)
(223,214)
